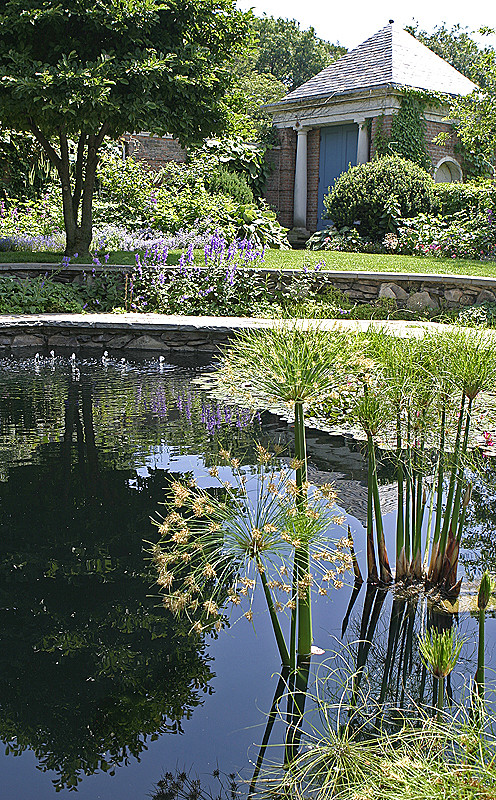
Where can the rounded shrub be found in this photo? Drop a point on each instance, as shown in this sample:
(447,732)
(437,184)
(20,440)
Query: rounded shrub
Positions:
(378,194)
(221,181)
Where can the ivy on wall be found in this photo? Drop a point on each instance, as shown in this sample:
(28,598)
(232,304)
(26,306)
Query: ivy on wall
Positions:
(408,129)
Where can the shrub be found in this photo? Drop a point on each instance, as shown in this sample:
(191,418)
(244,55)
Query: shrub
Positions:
(230,183)
(40,295)
(378,193)
(469,198)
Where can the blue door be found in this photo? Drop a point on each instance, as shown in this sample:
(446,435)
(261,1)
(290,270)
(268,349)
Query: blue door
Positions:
(338,151)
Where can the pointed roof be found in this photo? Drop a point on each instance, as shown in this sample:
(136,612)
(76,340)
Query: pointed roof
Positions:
(392,57)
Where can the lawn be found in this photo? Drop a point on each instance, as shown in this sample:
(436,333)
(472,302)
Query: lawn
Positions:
(280,259)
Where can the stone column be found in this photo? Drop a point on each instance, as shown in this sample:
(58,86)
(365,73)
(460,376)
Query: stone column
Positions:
(300,184)
(363,141)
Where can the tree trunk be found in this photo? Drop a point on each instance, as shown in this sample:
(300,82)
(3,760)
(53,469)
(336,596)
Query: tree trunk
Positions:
(77,201)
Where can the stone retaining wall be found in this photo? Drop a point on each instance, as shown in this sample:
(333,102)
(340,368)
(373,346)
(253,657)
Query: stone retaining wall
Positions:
(416,291)
(100,332)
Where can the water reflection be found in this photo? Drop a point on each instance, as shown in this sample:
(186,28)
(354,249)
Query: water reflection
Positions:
(91,667)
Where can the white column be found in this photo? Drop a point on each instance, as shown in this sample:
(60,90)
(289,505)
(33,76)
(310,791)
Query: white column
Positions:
(300,184)
(363,141)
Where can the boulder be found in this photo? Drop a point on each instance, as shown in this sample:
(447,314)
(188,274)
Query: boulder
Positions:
(392,291)
(27,340)
(422,301)
(453,296)
(485,296)
(145,342)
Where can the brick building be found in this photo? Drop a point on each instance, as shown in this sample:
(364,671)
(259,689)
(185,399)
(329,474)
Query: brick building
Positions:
(329,122)
(153,150)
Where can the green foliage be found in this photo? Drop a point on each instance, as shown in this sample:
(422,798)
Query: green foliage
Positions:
(37,296)
(136,66)
(177,198)
(408,128)
(289,54)
(246,158)
(24,167)
(440,651)
(252,90)
(364,193)
(471,197)
(230,183)
(461,235)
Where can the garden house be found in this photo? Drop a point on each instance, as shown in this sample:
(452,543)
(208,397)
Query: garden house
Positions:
(333,120)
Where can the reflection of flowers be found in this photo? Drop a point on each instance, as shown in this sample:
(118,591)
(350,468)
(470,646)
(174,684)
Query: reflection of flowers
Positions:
(213,415)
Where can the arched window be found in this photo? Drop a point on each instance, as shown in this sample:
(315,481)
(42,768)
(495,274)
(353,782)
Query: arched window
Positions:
(448,170)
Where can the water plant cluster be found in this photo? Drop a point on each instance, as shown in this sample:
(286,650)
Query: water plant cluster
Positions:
(270,528)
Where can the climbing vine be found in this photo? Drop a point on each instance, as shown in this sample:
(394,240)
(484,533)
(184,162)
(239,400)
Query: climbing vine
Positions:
(408,129)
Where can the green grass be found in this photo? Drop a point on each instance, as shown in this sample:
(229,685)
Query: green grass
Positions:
(295,259)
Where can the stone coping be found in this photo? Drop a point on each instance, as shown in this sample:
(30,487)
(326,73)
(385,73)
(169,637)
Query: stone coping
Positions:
(216,325)
(386,277)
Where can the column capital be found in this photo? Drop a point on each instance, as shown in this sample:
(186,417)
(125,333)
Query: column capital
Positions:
(360,120)
(299,128)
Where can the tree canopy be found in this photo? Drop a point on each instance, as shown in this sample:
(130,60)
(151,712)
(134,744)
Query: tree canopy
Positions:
(289,54)
(70,71)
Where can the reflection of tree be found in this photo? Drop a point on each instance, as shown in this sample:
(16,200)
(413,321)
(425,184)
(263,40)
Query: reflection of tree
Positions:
(135,408)
(90,665)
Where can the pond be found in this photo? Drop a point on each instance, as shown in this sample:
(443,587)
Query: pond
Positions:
(101,687)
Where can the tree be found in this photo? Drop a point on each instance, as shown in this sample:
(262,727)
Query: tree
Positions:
(73,72)
(289,54)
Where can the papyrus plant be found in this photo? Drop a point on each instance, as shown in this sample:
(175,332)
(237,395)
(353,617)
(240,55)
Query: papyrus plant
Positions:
(424,390)
(287,364)
(440,651)
(247,535)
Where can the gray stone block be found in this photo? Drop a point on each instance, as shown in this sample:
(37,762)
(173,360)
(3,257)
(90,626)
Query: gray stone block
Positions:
(485,296)
(421,301)
(453,296)
(28,340)
(392,291)
(145,342)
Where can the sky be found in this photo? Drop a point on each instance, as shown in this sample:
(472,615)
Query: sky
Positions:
(351,23)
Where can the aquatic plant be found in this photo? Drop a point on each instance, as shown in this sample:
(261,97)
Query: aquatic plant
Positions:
(440,651)
(286,364)
(486,587)
(247,534)
(419,759)
(424,390)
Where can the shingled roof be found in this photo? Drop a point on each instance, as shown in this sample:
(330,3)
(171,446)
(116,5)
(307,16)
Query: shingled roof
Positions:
(392,57)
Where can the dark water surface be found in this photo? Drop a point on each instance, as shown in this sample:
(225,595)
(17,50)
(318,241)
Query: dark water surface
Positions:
(95,677)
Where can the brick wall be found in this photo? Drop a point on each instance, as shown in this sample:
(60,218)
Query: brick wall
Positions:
(154,150)
(280,184)
(439,151)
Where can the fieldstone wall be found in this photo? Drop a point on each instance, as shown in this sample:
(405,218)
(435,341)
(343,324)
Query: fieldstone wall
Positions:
(416,291)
